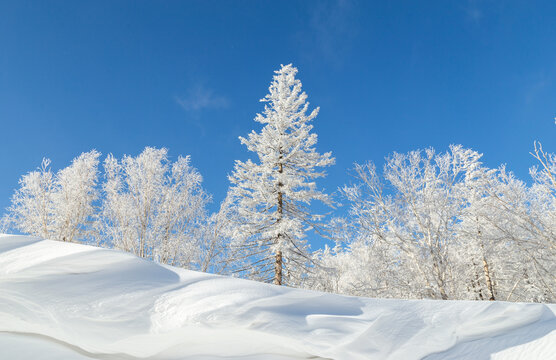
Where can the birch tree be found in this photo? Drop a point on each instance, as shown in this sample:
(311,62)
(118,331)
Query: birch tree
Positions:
(492,260)
(153,208)
(57,206)
(444,226)
(32,208)
(416,215)
(273,193)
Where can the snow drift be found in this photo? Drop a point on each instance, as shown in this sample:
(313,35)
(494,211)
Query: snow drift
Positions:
(69,301)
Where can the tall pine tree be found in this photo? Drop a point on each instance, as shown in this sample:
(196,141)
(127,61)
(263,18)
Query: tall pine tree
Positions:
(273,195)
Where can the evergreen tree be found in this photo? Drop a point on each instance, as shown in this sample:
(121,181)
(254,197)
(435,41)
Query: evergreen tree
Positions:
(273,196)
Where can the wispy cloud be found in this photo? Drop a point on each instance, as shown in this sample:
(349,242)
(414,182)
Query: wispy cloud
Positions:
(537,86)
(332,26)
(200,98)
(474,14)
(473,11)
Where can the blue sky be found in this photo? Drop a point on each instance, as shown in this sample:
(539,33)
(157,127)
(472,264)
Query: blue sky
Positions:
(187,75)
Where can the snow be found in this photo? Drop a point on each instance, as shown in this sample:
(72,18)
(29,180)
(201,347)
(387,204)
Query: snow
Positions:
(70,301)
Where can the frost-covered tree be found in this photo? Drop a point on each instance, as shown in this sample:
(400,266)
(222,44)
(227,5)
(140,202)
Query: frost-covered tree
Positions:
(57,206)
(273,194)
(543,197)
(538,221)
(443,226)
(493,259)
(413,219)
(217,256)
(32,208)
(153,208)
(418,218)
(520,217)
(77,190)
(356,265)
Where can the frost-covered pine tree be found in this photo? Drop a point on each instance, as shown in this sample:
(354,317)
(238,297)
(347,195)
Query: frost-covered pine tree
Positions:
(274,193)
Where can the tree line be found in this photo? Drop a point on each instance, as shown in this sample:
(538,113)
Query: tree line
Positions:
(429,225)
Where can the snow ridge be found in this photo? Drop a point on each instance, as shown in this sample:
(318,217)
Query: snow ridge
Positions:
(70,301)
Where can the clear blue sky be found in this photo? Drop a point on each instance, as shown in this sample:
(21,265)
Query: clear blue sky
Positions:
(187,75)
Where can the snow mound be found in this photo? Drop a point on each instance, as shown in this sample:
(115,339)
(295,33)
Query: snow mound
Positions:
(69,301)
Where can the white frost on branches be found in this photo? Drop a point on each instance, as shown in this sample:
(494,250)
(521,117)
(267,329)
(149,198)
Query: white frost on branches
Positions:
(273,194)
(153,208)
(57,206)
(443,226)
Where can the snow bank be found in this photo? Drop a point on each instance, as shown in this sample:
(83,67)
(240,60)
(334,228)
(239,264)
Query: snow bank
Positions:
(68,301)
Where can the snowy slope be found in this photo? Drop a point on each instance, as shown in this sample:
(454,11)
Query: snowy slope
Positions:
(68,301)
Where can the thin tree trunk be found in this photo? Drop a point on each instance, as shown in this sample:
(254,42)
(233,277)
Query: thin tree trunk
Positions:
(488,279)
(443,293)
(477,284)
(278,256)
(440,281)
(278,268)
(486,270)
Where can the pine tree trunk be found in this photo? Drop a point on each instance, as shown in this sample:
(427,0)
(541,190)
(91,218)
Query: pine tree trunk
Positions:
(278,256)
(278,268)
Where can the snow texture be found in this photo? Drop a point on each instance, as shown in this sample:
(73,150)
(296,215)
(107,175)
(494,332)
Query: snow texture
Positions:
(67,301)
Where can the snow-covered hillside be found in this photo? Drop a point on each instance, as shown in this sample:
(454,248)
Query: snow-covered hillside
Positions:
(68,301)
